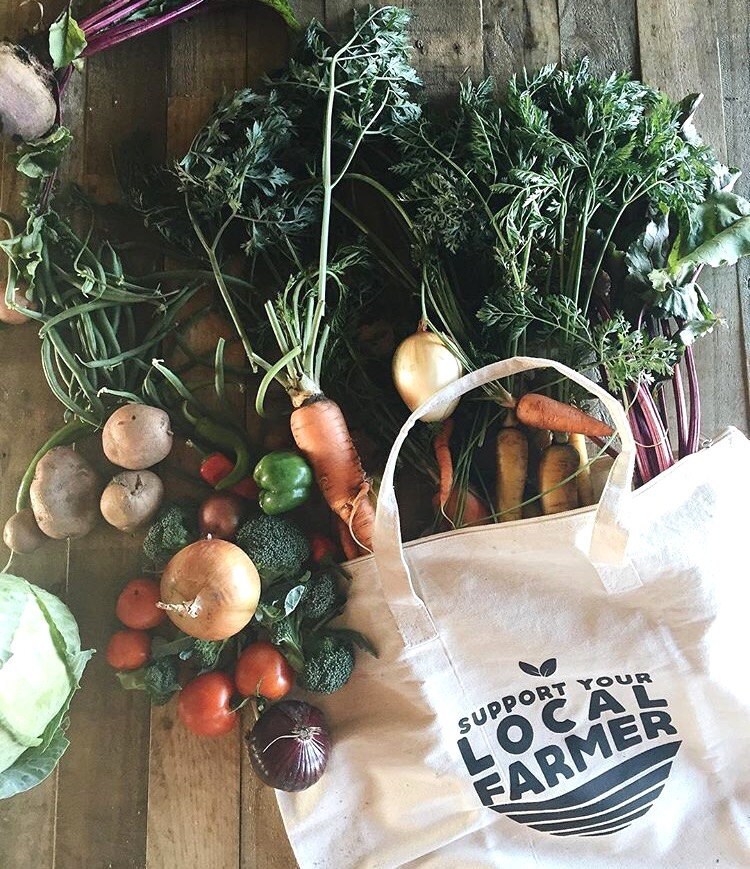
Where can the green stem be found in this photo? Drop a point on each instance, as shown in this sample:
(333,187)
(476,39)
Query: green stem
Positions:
(327,185)
(255,360)
(641,191)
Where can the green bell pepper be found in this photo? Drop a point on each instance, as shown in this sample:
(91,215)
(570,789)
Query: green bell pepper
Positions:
(284,480)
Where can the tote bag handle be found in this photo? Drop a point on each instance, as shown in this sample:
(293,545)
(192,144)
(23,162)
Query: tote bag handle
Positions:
(609,536)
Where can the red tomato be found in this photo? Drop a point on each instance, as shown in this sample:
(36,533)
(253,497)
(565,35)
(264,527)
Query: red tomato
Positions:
(128,650)
(136,605)
(203,705)
(246,488)
(322,547)
(262,669)
(216,466)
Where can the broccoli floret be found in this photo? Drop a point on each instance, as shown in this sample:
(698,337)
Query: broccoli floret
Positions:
(328,666)
(277,546)
(206,653)
(158,679)
(322,597)
(285,634)
(174,528)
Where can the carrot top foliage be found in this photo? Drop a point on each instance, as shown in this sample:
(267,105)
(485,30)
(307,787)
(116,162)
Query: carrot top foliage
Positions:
(260,178)
(572,218)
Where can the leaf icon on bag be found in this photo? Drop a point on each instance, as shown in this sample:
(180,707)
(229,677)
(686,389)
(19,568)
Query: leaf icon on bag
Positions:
(529,668)
(548,667)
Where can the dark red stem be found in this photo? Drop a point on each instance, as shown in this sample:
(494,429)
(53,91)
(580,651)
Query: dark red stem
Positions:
(681,411)
(87,23)
(661,453)
(115,35)
(642,454)
(121,13)
(694,427)
(661,407)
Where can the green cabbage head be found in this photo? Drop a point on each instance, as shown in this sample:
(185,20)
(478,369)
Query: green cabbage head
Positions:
(41,663)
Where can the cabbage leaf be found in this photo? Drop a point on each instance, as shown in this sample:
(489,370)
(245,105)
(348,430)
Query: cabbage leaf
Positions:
(41,664)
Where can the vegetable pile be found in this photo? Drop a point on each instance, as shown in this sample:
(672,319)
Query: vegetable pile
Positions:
(570,218)
(255,618)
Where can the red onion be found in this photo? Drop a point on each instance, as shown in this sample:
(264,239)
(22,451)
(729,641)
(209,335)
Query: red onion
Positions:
(289,745)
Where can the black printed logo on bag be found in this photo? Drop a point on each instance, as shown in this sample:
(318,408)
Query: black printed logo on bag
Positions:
(584,757)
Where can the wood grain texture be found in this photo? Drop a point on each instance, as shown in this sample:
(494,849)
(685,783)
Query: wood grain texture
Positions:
(193,787)
(447,39)
(102,794)
(606,32)
(194,784)
(734,54)
(519,34)
(680,53)
(27,822)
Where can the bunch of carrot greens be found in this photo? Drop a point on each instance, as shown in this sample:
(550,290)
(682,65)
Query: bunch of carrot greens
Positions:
(266,177)
(571,220)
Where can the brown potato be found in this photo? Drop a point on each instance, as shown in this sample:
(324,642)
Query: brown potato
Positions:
(65,494)
(201,334)
(137,436)
(21,533)
(10,315)
(131,498)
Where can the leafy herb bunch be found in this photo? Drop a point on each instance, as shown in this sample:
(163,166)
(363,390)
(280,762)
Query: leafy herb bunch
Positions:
(260,178)
(572,220)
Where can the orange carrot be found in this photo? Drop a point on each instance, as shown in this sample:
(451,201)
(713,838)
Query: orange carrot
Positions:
(540,411)
(351,550)
(512,455)
(472,509)
(322,435)
(441,447)
(583,480)
(450,503)
(559,461)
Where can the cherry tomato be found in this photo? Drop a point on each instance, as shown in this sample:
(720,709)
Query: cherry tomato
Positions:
(246,488)
(203,705)
(128,650)
(322,547)
(262,669)
(216,466)
(136,605)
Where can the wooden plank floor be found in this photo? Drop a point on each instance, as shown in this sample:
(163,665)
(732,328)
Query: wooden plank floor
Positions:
(135,790)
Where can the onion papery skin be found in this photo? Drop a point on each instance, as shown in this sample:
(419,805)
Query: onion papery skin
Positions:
(211,589)
(289,745)
(423,365)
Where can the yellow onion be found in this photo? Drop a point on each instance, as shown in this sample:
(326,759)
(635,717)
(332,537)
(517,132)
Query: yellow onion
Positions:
(422,365)
(210,589)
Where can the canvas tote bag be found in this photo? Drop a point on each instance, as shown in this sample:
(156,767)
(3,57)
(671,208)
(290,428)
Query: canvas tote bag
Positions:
(567,691)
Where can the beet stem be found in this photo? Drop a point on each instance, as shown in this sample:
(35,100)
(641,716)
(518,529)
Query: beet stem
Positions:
(108,9)
(694,428)
(115,35)
(93,30)
(643,458)
(681,411)
(662,453)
